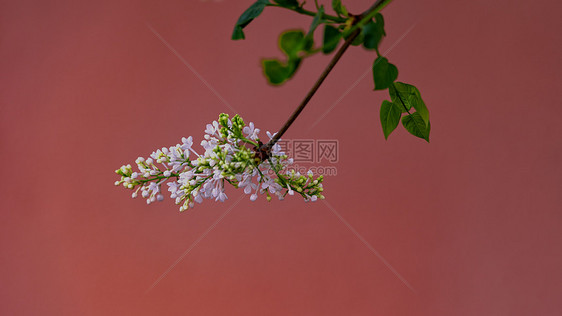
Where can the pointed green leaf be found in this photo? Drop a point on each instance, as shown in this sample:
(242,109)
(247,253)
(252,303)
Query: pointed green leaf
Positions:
(416,126)
(339,8)
(291,42)
(411,97)
(384,73)
(275,72)
(372,34)
(331,39)
(379,21)
(248,16)
(390,117)
(399,100)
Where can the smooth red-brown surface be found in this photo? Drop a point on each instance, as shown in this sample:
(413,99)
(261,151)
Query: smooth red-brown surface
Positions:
(471,221)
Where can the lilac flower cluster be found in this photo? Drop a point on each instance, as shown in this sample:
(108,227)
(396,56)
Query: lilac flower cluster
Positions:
(230,156)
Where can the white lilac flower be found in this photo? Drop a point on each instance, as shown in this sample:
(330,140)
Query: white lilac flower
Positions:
(251,132)
(173,187)
(230,156)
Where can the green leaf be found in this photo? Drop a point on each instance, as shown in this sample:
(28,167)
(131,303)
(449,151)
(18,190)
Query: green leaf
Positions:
(248,16)
(415,124)
(390,117)
(384,73)
(411,97)
(291,42)
(293,65)
(404,106)
(331,39)
(308,44)
(339,8)
(379,21)
(290,4)
(373,34)
(275,72)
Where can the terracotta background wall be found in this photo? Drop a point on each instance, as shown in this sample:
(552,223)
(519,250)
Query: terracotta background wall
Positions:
(466,225)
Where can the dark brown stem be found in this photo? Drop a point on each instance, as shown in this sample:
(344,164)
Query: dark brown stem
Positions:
(265,148)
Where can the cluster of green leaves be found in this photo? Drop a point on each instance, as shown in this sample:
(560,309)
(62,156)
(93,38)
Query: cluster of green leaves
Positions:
(296,44)
(406,103)
(405,97)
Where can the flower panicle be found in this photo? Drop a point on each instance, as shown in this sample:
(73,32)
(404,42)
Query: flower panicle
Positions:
(229,157)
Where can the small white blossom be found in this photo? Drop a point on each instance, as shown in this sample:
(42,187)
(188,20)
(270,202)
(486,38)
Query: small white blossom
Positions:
(251,132)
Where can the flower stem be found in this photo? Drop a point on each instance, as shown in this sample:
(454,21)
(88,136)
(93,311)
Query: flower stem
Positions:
(360,20)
